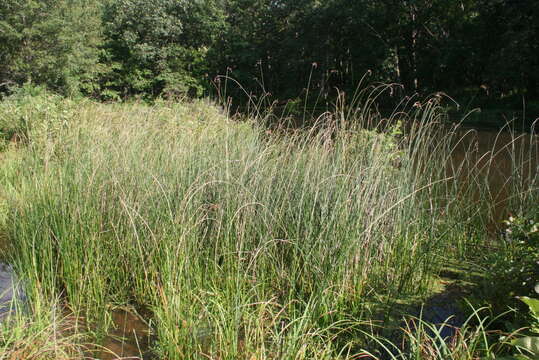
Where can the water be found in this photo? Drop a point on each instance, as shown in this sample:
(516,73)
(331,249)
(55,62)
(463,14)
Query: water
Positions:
(10,292)
(443,312)
(129,339)
(495,167)
(487,161)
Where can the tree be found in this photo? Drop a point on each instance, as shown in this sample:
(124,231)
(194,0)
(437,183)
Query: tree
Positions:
(512,30)
(160,46)
(281,47)
(51,42)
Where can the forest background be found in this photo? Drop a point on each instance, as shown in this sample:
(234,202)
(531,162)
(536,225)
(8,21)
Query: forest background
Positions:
(480,51)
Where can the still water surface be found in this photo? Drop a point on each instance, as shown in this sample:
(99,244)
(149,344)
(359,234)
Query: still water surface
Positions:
(498,167)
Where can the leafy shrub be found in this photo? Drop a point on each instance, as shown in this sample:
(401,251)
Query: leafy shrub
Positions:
(33,113)
(159,47)
(523,235)
(512,269)
(54,43)
(528,346)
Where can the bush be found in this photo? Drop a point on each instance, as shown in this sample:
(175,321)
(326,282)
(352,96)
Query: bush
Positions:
(512,269)
(33,112)
(523,235)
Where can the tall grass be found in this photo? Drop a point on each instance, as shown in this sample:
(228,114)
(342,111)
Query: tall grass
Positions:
(425,341)
(47,334)
(241,242)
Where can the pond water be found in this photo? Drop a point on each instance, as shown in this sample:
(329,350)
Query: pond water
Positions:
(9,290)
(484,162)
(129,339)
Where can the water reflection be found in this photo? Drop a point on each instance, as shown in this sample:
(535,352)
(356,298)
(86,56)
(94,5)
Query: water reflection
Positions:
(10,292)
(129,339)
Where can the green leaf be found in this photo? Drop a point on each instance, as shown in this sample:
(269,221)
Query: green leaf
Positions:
(529,344)
(533,304)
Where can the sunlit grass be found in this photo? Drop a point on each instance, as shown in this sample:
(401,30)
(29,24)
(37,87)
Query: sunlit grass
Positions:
(241,242)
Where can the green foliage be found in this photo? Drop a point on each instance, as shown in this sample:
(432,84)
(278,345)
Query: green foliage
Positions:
(533,305)
(529,345)
(235,239)
(523,261)
(422,340)
(34,116)
(281,47)
(112,49)
(513,267)
(160,46)
(476,338)
(227,234)
(513,23)
(53,43)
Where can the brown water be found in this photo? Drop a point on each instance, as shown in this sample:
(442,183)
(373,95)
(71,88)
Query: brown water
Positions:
(497,167)
(130,338)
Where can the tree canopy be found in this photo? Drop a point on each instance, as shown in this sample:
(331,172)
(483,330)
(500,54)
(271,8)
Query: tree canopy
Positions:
(119,48)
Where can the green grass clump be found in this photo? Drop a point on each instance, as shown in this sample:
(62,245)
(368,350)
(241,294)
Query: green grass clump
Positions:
(46,333)
(422,340)
(240,242)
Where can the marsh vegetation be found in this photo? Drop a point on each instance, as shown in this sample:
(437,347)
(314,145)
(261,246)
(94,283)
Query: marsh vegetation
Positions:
(229,239)
(322,205)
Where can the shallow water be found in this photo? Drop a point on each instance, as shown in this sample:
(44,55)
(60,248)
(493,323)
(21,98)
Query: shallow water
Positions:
(9,291)
(129,339)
